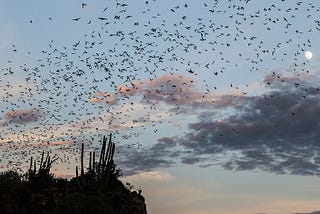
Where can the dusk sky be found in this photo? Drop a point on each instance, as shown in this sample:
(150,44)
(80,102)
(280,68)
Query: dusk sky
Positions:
(213,105)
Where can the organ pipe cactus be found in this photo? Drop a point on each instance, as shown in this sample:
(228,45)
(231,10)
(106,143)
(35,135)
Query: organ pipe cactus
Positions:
(41,177)
(98,172)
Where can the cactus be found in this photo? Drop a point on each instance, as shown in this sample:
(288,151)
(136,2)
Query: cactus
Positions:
(98,173)
(90,162)
(93,162)
(82,168)
(40,178)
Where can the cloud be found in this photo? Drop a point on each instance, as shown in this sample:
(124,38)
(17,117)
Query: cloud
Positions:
(136,161)
(103,97)
(3,122)
(87,129)
(170,88)
(50,143)
(23,116)
(155,175)
(38,144)
(276,132)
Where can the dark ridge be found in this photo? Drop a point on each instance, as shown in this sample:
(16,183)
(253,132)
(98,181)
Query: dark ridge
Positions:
(96,190)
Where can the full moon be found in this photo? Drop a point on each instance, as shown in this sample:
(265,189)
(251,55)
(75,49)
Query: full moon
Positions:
(308,54)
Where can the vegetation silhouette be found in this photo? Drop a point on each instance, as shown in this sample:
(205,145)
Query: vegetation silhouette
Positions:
(96,190)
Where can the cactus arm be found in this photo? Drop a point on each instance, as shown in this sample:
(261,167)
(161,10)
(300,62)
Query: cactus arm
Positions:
(90,170)
(82,168)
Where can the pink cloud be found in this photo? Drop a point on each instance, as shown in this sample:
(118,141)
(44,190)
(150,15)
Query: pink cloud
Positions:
(3,122)
(171,88)
(165,85)
(35,144)
(103,97)
(23,116)
(94,100)
(52,143)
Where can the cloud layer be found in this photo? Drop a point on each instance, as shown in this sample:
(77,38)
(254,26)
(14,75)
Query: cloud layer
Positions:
(170,88)
(276,132)
(22,116)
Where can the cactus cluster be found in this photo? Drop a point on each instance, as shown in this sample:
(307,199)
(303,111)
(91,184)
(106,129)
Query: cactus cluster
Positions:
(40,178)
(95,189)
(98,173)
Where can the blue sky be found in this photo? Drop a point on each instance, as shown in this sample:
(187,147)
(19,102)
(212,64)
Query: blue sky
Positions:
(210,102)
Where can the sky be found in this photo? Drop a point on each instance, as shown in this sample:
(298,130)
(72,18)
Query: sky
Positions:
(212,104)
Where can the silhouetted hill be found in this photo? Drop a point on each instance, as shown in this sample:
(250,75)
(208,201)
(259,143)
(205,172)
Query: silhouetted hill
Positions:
(96,191)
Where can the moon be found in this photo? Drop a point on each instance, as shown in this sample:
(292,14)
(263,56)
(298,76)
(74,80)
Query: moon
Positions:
(308,54)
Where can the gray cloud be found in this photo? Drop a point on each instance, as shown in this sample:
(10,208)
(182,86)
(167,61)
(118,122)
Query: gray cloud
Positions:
(160,155)
(277,132)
